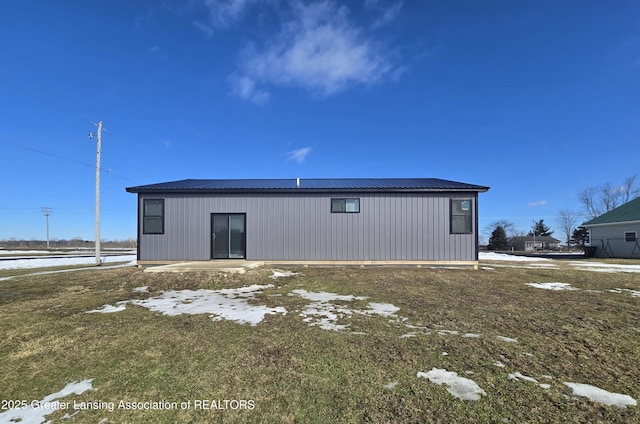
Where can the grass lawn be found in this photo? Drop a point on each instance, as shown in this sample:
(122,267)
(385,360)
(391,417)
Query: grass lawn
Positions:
(287,368)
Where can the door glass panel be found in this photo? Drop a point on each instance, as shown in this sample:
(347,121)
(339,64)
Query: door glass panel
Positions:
(236,236)
(221,236)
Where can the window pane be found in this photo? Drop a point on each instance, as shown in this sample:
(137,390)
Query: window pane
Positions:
(353,205)
(630,236)
(153,225)
(153,207)
(461,216)
(338,205)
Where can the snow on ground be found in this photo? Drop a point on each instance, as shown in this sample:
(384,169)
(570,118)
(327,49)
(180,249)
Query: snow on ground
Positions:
(634,293)
(552,286)
(535,262)
(35,411)
(507,339)
(51,262)
(323,313)
(229,304)
(278,274)
(28,252)
(108,309)
(603,267)
(516,376)
(459,387)
(493,256)
(597,394)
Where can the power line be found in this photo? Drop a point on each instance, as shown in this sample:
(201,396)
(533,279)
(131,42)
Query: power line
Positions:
(108,171)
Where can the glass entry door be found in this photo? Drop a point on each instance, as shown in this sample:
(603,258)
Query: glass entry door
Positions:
(228,236)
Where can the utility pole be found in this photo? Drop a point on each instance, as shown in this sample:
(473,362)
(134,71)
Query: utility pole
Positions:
(98,151)
(47,211)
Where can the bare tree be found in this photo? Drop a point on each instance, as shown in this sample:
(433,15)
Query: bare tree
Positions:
(598,200)
(630,190)
(567,220)
(588,199)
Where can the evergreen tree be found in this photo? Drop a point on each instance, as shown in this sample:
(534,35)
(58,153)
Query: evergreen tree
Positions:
(580,236)
(540,229)
(498,239)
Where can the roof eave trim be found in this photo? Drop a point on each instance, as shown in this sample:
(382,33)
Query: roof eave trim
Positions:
(307,190)
(602,224)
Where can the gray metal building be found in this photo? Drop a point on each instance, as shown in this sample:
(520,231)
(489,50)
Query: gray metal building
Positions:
(401,220)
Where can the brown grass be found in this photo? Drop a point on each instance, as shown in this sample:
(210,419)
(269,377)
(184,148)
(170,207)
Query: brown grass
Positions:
(297,373)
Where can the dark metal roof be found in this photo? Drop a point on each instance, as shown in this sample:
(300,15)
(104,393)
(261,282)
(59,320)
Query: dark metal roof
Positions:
(309,185)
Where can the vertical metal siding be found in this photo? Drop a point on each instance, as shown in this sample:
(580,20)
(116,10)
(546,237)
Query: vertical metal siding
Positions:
(390,226)
(609,240)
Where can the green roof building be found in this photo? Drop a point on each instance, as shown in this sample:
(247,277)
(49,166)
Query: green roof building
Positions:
(615,234)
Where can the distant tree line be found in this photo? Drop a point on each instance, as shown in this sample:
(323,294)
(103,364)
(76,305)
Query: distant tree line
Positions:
(594,201)
(75,243)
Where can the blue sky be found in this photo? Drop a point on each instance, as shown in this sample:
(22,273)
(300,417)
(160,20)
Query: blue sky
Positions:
(536,99)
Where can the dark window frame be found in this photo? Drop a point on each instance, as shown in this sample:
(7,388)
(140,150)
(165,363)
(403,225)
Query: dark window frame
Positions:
(459,213)
(342,207)
(630,236)
(152,217)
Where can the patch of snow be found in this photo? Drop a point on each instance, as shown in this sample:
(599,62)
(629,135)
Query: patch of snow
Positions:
(492,256)
(143,289)
(603,267)
(545,385)
(448,332)
(51,262)
(391,385)
(597,394)
(552,286)
(499,364)
(471,335)
(634,293)
(229,304)
(516,376)
(487,268)
(408,335)
(383,309)
(28,252)
(107,309)
(278,274)
(324,314)
(459,387)
(324,296)
(507,339)
(44,407)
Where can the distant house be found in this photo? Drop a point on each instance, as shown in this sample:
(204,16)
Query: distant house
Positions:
(615,233)
(369,220)
(531,243)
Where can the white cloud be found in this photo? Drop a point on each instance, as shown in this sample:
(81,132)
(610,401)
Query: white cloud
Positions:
(388,16)
(205,29)
(245,88)
(538,203)
(319,50)
(226,12)
(299,155)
